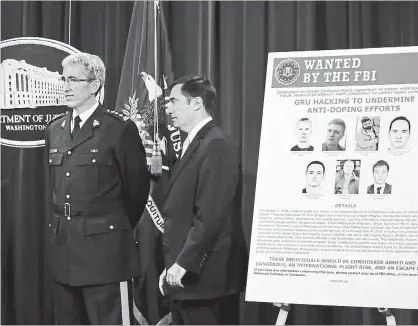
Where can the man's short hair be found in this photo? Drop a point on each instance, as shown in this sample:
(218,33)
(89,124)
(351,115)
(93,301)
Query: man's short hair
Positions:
(365,119)
(92,63)
(400,118)
(337,121)
(197,86)
(380,163)
(316,162)
(304,120)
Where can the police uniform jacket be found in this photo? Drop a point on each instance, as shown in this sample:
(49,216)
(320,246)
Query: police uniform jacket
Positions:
(100,186)
(203,226)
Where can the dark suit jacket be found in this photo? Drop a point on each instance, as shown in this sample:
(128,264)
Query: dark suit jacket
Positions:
(100,185)
(202,229)
(387,190)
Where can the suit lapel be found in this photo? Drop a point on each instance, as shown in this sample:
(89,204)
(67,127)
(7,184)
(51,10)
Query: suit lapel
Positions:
(86,131)
(179,166)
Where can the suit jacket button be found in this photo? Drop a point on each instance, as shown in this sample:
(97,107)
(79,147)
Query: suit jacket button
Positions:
(67,174)
(111,227)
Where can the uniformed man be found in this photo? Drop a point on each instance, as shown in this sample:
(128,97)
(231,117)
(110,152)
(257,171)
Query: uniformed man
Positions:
(100,184)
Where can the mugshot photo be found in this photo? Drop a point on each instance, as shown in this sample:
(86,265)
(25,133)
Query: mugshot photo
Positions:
(335,135)
(314,177)
(303,131)
(347,177)
(399,133)
(367,133)
(380,172)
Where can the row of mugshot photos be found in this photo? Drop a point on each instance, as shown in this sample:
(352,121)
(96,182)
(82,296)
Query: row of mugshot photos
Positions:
(347,178)
(367,134)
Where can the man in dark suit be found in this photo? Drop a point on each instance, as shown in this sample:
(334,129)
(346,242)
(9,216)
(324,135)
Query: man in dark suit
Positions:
(100,184)
(205,269)
(380,173)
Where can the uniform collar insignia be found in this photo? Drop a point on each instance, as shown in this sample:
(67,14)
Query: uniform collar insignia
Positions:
(63,124)
(96,123)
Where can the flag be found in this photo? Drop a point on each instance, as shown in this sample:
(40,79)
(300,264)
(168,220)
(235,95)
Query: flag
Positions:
(142,98)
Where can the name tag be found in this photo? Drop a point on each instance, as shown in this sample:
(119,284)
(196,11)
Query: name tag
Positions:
(53,150)
(94,150)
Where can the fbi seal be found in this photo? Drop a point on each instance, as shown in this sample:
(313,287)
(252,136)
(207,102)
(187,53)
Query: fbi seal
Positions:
(287,72)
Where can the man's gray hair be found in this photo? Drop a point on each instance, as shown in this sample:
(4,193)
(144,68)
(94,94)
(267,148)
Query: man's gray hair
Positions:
(93,64)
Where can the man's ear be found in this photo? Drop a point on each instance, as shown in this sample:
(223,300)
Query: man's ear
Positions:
(198,103)
(95,85)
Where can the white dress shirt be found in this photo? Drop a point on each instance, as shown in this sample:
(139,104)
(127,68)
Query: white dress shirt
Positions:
(192,134)
(83,116)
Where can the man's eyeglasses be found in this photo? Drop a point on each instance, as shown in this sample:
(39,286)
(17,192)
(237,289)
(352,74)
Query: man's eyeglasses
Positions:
(72,80)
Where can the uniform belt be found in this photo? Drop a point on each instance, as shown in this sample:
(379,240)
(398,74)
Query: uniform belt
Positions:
(68,209)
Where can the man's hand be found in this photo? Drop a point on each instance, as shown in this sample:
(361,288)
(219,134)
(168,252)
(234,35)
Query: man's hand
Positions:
(161,282)
(174,275)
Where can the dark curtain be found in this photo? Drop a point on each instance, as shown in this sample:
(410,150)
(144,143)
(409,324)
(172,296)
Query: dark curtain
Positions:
(228,42)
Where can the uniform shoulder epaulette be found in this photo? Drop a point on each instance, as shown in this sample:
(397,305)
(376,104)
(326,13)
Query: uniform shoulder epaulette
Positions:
(118,115)
(59,116)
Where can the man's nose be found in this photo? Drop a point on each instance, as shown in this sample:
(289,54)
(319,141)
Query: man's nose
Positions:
(66,86)
(168,108)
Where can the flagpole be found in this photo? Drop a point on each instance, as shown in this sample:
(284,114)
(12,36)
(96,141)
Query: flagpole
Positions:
(156,72)
(156,160)
(69,25)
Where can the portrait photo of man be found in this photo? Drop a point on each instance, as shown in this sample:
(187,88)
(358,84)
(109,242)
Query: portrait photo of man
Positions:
(303,133)
(347,177)
(399,132)
(367,135)
(335,132)
(380,173)
(315,173)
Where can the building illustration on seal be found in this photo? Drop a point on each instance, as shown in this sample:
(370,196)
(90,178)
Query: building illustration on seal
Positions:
(26,86)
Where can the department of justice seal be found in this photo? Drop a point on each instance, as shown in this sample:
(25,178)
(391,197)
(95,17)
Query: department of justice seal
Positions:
(31,91)
(287,72)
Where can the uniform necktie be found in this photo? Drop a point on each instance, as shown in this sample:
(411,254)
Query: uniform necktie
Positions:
(184,148)
(76,128)
(378,189)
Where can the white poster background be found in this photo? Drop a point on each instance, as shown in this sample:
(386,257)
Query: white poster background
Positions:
(346,277)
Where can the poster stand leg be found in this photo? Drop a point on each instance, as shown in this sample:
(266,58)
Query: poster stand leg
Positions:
(283,312)
(390,318)
(285,308)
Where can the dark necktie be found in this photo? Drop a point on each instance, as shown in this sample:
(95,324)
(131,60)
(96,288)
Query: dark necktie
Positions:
(76,128)
(378,189)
